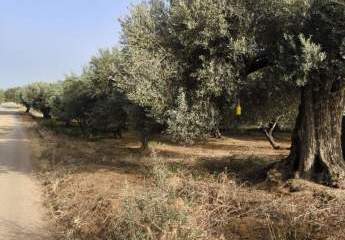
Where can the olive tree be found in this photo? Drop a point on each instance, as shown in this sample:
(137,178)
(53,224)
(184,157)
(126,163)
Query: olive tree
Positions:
(319,50)
(109,112)
(26,96)
(11,94)
(189,56)
(2,96)
(41,96)
(92,99)
(175,64)
(269,104)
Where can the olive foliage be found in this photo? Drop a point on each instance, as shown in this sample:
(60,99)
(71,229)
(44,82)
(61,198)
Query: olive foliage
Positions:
(184,65)
(189,62)
(2,96)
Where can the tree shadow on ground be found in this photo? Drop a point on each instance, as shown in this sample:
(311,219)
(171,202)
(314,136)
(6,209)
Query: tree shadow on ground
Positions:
(127,157)
(252,170)
(245,156)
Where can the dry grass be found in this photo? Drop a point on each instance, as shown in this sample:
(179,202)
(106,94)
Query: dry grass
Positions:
(244,146)
(216,207)
(107,189)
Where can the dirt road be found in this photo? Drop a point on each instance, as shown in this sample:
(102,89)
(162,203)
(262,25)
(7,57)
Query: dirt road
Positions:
(21,210)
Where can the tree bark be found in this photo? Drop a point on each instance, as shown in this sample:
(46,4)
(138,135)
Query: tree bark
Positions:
(46,113)
(144,142)
(316,152)
(343,136)
(271,139)
(26,104)
(216,133)
(28,108)
(269,133)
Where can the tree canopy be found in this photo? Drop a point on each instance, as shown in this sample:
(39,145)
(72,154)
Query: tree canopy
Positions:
(2,96)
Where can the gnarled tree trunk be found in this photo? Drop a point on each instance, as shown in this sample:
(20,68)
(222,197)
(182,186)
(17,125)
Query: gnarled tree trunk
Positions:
(316,152)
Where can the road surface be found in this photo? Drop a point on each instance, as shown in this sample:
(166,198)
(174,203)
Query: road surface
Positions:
(22,216)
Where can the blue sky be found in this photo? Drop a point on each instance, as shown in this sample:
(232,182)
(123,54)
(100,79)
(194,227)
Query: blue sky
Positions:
(42,40)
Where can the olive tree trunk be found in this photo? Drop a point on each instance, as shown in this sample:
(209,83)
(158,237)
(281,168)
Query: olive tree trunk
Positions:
(316,152)
(46,113)
(28,108)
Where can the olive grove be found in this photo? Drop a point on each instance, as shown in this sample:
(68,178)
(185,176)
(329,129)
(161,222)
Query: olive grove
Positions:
(183,65)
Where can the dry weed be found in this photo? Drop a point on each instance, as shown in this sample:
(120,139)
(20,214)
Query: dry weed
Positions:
(160,202)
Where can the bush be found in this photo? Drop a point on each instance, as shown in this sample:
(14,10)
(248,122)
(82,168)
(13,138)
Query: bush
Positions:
(155,213)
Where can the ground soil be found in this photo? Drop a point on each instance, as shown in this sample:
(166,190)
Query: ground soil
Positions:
(85,178)
(85,181)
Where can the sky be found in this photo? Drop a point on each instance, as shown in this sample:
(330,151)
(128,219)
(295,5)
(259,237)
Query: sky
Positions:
(43,40)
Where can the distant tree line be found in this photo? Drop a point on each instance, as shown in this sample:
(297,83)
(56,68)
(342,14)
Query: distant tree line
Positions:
(2,96)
